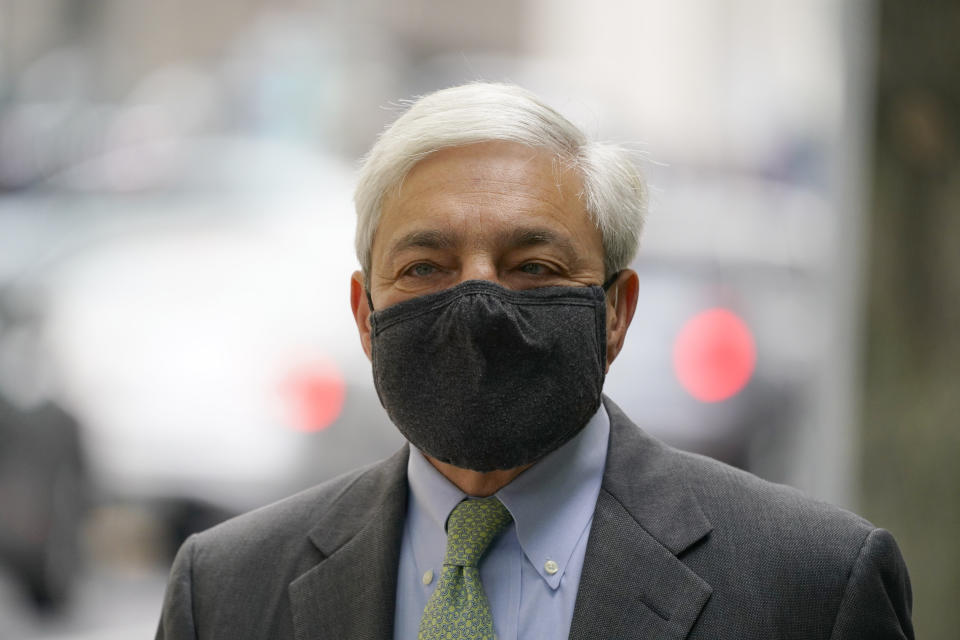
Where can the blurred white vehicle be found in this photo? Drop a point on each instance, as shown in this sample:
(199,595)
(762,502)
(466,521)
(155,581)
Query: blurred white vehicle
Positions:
(201,328)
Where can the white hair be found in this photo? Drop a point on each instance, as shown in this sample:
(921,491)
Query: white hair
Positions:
(613,190)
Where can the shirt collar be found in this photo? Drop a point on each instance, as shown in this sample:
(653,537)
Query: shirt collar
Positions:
(552,502)
(433,495)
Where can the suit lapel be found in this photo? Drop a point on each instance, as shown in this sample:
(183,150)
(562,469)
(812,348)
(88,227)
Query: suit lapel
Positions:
(633,585)
(352,592)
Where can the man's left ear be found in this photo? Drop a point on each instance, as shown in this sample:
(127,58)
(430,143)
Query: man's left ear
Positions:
(621,304)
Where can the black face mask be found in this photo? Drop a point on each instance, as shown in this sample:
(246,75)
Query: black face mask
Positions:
(484,377)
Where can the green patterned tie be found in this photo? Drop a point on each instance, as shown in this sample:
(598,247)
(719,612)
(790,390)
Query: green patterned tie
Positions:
(458,608)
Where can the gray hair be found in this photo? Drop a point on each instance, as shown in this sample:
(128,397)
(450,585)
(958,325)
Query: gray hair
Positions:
(614,191)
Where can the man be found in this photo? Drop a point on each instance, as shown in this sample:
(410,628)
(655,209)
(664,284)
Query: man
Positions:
(495,292)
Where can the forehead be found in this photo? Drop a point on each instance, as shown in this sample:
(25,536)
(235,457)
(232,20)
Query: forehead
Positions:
(484,190)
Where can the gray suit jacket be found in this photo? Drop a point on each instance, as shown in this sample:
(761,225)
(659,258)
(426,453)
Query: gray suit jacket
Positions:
(681,546)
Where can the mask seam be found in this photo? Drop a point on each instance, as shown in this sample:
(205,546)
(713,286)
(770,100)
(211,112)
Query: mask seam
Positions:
(600,320)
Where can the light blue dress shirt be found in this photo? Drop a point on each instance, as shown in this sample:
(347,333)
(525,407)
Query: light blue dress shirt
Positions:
(532,570)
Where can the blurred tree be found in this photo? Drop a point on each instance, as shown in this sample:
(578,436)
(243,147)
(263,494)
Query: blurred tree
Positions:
(911,428)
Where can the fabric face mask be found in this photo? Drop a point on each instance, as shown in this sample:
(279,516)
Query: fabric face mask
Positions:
(484,377)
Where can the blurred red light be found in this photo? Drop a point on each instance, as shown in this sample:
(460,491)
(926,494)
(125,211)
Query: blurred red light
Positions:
(317,393)
(714,355)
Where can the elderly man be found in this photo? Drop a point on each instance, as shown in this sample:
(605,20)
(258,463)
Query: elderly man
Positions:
(495,292)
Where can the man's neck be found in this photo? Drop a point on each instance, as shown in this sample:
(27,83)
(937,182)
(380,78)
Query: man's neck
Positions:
(478,484)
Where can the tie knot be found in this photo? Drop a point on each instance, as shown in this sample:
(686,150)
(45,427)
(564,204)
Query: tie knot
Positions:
(472,526)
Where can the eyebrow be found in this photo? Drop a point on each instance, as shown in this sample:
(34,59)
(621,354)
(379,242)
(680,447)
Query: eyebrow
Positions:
(515,238)
(424,239)
(532,237)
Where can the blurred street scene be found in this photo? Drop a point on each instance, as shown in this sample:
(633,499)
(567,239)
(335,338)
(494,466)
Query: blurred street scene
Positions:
(176,244)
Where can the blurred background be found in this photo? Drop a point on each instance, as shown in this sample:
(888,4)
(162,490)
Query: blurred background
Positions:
(176,344)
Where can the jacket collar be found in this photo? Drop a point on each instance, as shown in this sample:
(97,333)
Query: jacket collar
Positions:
(644,476)
(352,592)
(633,585)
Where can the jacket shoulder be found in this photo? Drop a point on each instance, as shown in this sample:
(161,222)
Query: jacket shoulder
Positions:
(232,580)
(726,493)
(354,495)
(788,557)
(221,573)
(731,499)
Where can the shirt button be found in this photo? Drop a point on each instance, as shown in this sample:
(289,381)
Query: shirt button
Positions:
(428,576)
(551,567)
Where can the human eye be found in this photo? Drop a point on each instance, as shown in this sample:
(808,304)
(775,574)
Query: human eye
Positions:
(420,270)
(535,269)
